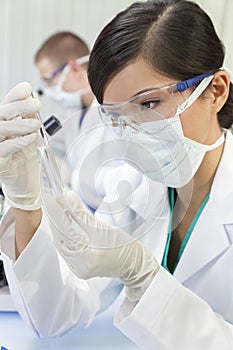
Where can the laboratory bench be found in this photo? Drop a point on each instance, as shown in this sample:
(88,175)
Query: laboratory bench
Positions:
(15,334)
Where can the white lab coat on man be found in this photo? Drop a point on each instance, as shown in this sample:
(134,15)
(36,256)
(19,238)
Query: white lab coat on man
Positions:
(74,122)
(192,310)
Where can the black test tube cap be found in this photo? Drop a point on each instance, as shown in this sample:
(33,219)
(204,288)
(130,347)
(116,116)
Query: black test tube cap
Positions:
(52,125)
(40,92)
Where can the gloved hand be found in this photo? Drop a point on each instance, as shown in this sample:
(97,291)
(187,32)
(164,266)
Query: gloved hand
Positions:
(93,248)
(19,162)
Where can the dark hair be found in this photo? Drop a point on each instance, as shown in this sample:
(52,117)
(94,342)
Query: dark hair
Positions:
(62,47)
(175,37)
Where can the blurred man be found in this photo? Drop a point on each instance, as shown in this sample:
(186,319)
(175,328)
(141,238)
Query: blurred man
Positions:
(62,62)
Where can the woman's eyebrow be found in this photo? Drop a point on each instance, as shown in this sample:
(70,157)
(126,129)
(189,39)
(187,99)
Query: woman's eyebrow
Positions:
(150,89)
(143,91)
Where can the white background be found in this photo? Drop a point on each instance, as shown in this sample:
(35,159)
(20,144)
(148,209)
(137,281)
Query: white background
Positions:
(25,24)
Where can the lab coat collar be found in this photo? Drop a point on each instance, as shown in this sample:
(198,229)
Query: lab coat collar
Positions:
(213,233)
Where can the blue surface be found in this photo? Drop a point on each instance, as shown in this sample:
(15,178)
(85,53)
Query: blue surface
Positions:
(101,334)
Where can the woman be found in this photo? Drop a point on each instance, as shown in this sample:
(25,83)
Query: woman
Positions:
(139,60)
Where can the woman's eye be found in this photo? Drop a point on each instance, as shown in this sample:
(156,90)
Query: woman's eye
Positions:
(149,104)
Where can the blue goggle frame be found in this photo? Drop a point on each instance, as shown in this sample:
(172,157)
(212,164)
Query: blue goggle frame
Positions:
(188,83)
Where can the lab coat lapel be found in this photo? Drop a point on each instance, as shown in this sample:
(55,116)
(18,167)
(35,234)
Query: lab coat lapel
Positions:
(208,240)
(213,232)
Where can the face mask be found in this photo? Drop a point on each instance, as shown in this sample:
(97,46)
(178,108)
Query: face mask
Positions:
(163,153)
(64,98)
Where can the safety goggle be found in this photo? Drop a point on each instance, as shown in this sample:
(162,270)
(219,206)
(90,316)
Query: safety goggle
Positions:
(153,105)
(48,78)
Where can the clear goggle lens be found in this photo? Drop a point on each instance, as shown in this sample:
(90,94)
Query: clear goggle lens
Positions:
(127,117)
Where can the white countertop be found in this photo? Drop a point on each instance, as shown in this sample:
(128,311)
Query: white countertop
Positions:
(15,334)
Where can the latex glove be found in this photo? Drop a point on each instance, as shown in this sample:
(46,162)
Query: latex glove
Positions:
(19,162)
(103,250)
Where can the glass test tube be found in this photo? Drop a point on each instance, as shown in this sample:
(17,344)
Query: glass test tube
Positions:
(49,164)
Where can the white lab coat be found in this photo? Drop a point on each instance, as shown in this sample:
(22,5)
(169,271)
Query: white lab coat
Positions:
(192,310)
(180,312)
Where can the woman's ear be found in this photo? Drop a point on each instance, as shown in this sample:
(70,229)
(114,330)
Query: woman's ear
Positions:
(220,89)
